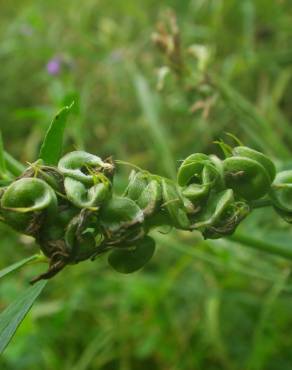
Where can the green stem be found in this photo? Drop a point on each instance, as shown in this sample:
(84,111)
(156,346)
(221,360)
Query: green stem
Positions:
(270,247)
(260,203)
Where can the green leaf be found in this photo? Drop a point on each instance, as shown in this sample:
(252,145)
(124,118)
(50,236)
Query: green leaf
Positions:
(127,261)
(2,159)
(13,315)
(52,146)
(17,265)
(13,166)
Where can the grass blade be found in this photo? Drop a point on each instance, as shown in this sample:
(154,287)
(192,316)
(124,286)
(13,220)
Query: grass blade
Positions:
(262,245)
(263,343)
(14,314)
(17,265)
(2,159)
(51,148)
(157,131)
(256,127)
(13,166)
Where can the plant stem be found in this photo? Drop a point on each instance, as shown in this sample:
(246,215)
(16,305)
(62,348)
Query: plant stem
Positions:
(260,203)
(262,245)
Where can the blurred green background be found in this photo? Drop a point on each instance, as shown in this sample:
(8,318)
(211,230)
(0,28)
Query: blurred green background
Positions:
(198,304)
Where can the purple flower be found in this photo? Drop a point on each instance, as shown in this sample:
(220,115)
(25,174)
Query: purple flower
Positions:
(54,66)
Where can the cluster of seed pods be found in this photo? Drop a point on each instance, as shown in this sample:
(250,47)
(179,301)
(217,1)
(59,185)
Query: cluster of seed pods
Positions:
(73,213)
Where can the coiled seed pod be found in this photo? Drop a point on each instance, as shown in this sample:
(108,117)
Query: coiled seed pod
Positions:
(137,183)
(218,164)
(53,233)
(214,208)
(191,168)
(49,174)
(173,204)
(26,202)
(85,196)
(247,177)
(197,174)
(120,213)
(82,166)
(80,238)
(132,259)
(150,198)
(221,215)
(281,194)
(244,151)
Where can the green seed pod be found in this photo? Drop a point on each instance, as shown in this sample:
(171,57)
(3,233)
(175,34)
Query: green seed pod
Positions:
(221,215)
(286,216)
(197,175)
(247,177)
(85,196)
(120,213)
(244,151)
(55,230)
(137,183)
(191,168)
(150,198)
(82,166)
(173,204)
(130,260)
(80,239)
(218,164)
(281,194)
(214,208)
(196,192)
(233,214)
(48,174)
(26,202)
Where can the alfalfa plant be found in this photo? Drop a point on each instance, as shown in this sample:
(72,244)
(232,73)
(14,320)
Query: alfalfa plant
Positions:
(68,204)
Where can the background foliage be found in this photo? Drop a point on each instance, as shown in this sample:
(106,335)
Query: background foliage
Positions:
(197,305)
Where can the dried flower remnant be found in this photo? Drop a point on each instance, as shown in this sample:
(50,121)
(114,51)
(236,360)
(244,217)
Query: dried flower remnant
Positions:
(167,39)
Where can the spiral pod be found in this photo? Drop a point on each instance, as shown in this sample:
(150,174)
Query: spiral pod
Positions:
(214,209)
(221,215)
(51,235)
(81,237)
(138,181)
(86,185)
(197,175)
(249,173)
(173,204)
(27,203)
(84,196)
(150,198)
(122,221)
(281,194)
(49,174)
(83,166)
(244,151)
(128,260)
